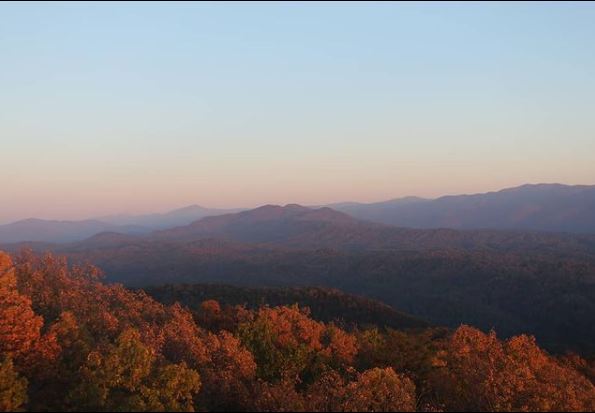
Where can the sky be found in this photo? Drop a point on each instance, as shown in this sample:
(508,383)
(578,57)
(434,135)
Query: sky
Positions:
(144,107)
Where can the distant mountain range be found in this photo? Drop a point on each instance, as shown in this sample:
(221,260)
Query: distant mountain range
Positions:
(177,217)
(299,227)
(39,230)
(266,224)
(537,282)
(542,207)
(53,231)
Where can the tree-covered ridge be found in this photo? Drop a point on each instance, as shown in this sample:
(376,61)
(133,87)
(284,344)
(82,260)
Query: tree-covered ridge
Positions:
(69,343)
(324,304)
(550,297)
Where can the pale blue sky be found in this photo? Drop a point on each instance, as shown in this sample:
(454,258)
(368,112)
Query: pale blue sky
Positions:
(135,107)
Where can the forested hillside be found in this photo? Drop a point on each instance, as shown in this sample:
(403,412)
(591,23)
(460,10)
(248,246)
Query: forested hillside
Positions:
(552,298)
(68,342)
(324,304)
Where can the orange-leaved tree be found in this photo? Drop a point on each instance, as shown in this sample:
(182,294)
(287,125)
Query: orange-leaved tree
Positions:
(479,372)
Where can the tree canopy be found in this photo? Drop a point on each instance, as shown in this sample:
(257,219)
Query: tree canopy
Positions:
(69,342)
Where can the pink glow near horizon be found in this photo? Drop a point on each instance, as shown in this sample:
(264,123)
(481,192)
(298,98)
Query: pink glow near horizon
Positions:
(232,107)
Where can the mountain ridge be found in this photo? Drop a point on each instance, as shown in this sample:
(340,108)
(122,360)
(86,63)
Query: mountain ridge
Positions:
(529,207)
(176,217)
(60,231)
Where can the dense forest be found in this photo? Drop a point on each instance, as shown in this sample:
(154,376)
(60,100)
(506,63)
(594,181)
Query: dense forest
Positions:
(325,304)
(549,297)
(70,342)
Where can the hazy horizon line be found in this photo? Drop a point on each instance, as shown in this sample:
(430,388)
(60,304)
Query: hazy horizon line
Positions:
(100,217)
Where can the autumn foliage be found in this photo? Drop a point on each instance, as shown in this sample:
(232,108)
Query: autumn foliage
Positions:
(486,374)
(69,342)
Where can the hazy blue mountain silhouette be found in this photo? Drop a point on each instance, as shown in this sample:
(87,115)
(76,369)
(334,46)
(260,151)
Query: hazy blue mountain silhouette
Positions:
(541,207)
(177,217)
(40,230)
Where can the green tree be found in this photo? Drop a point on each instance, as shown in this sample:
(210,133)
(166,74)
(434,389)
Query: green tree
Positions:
(127,377)
(287,343)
